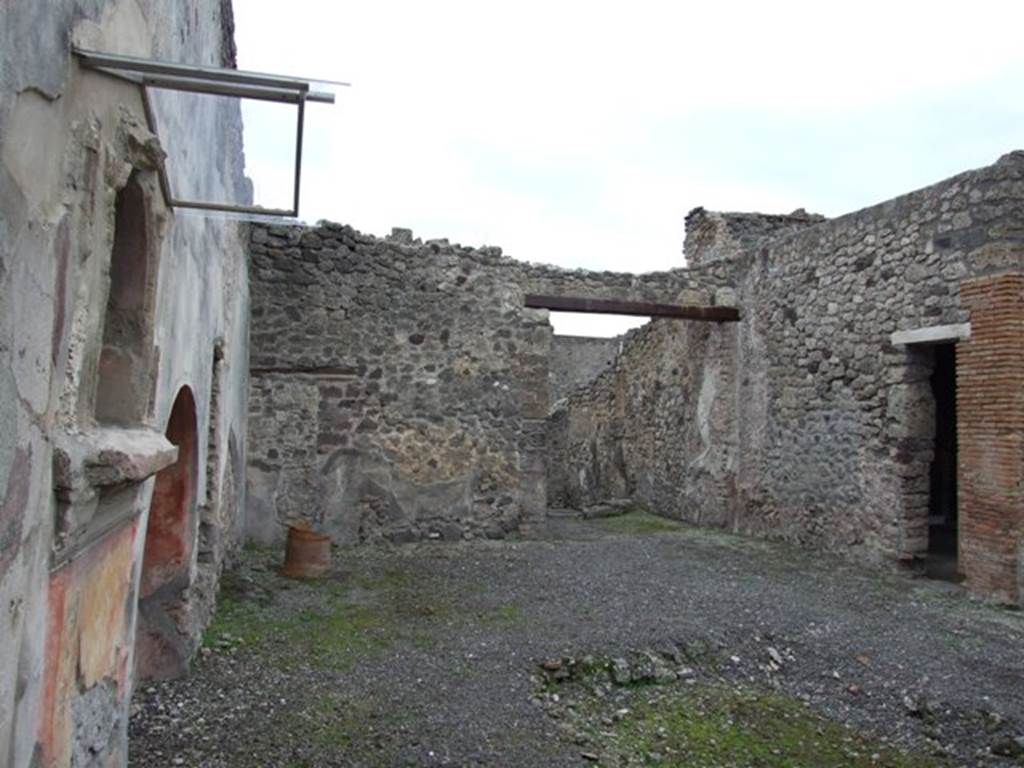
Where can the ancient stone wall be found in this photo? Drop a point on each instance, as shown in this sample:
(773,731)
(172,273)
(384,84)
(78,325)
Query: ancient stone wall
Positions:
(803,420)
(400,389)
(577,360)
(388,386)
(111,308)
(658,408)
(838,431)
(713,236)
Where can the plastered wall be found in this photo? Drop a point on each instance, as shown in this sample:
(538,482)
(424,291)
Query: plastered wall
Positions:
(75,493)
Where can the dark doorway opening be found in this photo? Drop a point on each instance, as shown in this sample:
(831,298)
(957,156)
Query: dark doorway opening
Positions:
(942,507)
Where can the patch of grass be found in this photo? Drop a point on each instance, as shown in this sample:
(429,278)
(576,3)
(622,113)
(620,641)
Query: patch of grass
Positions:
(722,726)
(422,641)
(390,580)
(504,615)
(638,523)
(332,726)
(327,623)
(329,724)
(333,633)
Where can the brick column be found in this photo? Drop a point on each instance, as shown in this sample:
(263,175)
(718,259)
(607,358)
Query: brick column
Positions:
(990,433)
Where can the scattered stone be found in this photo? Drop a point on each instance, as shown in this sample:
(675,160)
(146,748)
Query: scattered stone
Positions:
(1009,746)
(993,721)
(602,510)
(228,705)
(686,673)
(911,705)
(621,673)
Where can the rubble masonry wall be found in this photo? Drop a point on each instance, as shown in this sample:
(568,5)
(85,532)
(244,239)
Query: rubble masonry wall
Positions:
(399,388)
(802,421)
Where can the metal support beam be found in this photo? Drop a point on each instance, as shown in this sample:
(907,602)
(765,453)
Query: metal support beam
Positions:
(614,307)
(214,81)
(221,75)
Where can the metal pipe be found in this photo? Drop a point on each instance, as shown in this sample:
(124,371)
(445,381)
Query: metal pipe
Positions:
(231,208)
(258,93)
(95,59)
(298,155)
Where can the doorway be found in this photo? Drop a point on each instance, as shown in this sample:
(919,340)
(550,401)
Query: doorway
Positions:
(943,518)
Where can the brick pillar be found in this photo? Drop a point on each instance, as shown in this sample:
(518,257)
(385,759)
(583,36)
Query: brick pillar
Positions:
(990,433)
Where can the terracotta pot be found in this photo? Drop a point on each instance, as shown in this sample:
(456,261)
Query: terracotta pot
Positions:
(307,555)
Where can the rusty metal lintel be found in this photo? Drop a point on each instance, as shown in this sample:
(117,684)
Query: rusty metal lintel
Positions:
(615,307)
(337,371)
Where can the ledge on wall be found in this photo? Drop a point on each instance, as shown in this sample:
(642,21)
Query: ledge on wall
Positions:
(109,456)
(95,476)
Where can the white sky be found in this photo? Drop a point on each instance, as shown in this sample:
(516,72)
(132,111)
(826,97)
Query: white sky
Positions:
(580,133)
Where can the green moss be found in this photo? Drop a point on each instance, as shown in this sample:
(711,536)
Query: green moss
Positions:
(718,726)
(329,724)
(504,615)
(332,634)
(638,523)
(389,580)
(329,622)
(332,726)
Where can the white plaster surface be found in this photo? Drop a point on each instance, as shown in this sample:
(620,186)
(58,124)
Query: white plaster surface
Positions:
(936,334)
(68,139)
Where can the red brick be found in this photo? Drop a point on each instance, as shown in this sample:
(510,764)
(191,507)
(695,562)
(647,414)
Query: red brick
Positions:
(990,432)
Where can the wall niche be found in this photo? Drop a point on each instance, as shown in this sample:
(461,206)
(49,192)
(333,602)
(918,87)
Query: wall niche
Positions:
(124,383)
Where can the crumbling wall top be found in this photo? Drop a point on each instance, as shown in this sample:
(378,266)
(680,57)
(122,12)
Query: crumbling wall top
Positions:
(333,242)
(714,235)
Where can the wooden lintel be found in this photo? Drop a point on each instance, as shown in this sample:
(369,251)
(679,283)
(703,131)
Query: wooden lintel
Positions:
(614,307)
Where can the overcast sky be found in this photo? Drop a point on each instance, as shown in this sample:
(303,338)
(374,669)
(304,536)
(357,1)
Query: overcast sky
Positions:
(580,133)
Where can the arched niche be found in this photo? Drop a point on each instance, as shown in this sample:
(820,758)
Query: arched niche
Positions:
(162,645)
(124,381)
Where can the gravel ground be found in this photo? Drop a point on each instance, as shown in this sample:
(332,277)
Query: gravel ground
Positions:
(430,654)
